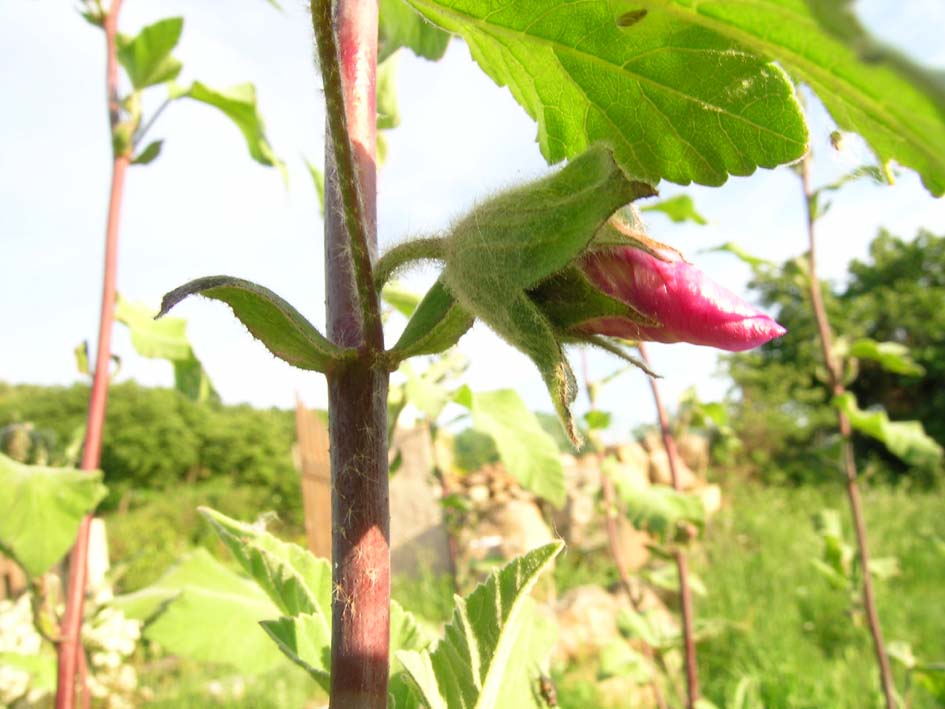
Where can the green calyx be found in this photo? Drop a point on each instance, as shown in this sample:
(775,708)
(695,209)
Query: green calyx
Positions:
(511,262)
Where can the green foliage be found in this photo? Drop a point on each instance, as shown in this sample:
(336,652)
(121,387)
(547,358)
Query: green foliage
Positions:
(520,238)
(399,25)
(906,439)
(238,103)
(679,209)
(40,511)
(201,610)
(783,414)
(527,452)
(483,659)
(787,628)
(824,47)
(149,154)
(435,325)
(586,75)
(892,356)
(156,439)
(147,57)
(658,509)
(167,339)
(281,328)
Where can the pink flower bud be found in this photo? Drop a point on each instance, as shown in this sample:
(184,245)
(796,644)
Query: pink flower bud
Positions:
(690,307)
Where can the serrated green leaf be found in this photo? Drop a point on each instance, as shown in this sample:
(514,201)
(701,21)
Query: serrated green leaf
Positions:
(41,509)
(891,356)
(270,319)
(238,103)
(295,580)
(306,641)
(679,209)
(436,324)
(527,452)
(147,57)
(658,509)
(399,25)
(895,106)
(675,100)
(206,612)
(468,666)
(404,300)
(149,154)
(166,339)
(905,439)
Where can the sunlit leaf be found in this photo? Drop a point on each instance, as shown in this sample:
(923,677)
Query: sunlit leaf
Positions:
(527,452)
(399,25)
(674,100)
(40,511)
(470,666)
(680,208)
(238,103)
(147,57)
(905,439)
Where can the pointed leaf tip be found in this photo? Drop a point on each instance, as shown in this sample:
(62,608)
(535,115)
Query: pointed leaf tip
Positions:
(273,321)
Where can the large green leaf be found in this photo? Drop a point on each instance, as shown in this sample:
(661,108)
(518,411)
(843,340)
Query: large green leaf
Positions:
(41,509)
(898,108)
(280,327)
(41,668)
(674,100)
(655,508)
(905,439)
(526,450)
(147,57)
(469,667)
(238,103)
(166,339)
(201,610)
(399,25)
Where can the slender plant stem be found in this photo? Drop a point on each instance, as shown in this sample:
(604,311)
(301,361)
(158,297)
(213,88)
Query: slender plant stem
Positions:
(685,593)
(357,392)
(414,250)
(70,645)
(849,459)
(613,536)
(143,131)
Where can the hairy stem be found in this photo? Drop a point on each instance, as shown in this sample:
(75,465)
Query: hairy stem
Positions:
(685,593)
(70,647)
(849,460)
(349,75)
(427,249)
(357,392)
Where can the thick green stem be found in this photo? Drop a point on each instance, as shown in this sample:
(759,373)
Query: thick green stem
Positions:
(849,460)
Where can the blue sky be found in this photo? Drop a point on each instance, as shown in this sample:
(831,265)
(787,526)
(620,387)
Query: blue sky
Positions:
(205,208)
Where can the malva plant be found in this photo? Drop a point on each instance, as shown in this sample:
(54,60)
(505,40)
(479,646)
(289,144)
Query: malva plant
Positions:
(629,95)
(147,62)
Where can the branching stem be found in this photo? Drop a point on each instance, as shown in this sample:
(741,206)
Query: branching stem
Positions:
(71,655)
(834,369)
